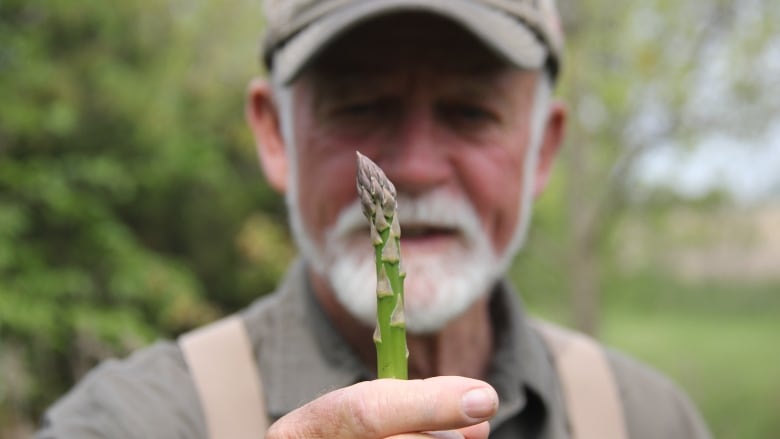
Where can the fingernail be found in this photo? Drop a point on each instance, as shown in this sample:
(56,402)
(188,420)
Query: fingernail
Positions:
(479,403)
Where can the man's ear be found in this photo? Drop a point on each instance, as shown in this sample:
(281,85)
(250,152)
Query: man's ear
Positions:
(263,118)
(551,145)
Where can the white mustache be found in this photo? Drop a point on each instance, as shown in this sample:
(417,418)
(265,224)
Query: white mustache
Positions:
(432,209)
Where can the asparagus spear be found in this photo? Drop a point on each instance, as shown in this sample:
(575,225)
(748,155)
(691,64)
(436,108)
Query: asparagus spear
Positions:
(378,198)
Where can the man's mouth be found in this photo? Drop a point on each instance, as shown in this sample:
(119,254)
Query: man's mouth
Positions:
(423,235)
(426,231)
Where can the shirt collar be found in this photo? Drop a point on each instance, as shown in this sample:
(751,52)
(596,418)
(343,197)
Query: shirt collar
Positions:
(299,352)
(522,370)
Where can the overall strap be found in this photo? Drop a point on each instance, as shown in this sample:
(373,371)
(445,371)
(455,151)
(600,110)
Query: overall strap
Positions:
(589,389)
(223,367)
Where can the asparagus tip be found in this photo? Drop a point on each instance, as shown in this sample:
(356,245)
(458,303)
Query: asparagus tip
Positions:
(374,188)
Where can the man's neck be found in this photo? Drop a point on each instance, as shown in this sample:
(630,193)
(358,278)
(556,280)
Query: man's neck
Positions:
(463,347)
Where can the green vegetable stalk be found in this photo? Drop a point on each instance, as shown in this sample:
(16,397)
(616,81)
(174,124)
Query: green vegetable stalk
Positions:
(378,198)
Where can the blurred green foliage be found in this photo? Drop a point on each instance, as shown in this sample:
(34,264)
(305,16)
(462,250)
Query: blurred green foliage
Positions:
(131,206)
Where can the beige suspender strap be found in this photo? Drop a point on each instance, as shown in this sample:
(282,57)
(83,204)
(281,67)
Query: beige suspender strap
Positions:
(222,364)
(589,388)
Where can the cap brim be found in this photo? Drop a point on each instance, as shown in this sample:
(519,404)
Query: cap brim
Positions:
(506,35)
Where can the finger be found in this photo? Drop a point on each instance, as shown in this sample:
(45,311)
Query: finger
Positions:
(478,431)
(382,408)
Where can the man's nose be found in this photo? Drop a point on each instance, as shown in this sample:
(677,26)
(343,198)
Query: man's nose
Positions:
(416,160)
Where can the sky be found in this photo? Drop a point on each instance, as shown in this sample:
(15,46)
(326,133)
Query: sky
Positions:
(747,169)
(750,171)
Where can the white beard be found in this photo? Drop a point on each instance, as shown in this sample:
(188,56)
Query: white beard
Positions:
(439,286)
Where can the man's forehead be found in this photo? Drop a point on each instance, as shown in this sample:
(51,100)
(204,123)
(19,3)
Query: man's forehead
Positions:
(463,84)
(406,39)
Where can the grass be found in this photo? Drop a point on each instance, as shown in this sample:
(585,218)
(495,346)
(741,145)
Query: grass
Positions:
(728,364)
(720,343)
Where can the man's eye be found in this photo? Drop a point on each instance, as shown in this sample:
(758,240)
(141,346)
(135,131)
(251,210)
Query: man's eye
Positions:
(468,113)
(356,109)
(367,108)
(473,113)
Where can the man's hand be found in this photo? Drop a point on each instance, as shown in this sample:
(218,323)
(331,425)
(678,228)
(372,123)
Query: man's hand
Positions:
(453,407)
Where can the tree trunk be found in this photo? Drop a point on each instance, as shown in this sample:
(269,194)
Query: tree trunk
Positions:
(583,273)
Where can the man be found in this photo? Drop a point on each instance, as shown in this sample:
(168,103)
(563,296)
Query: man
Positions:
(452,99)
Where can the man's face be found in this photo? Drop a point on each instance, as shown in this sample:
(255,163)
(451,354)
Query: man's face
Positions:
(451,127)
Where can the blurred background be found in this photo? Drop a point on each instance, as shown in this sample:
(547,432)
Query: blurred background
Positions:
(132,207)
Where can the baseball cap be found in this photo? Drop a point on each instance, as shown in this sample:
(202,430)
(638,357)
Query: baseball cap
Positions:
(526,33)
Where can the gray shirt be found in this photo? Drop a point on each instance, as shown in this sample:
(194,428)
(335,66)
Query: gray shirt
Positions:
(301,356)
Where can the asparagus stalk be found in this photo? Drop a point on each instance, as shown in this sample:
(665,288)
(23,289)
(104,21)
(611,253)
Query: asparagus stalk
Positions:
(378,199)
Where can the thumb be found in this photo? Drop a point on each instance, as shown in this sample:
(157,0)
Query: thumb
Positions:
(382,408)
